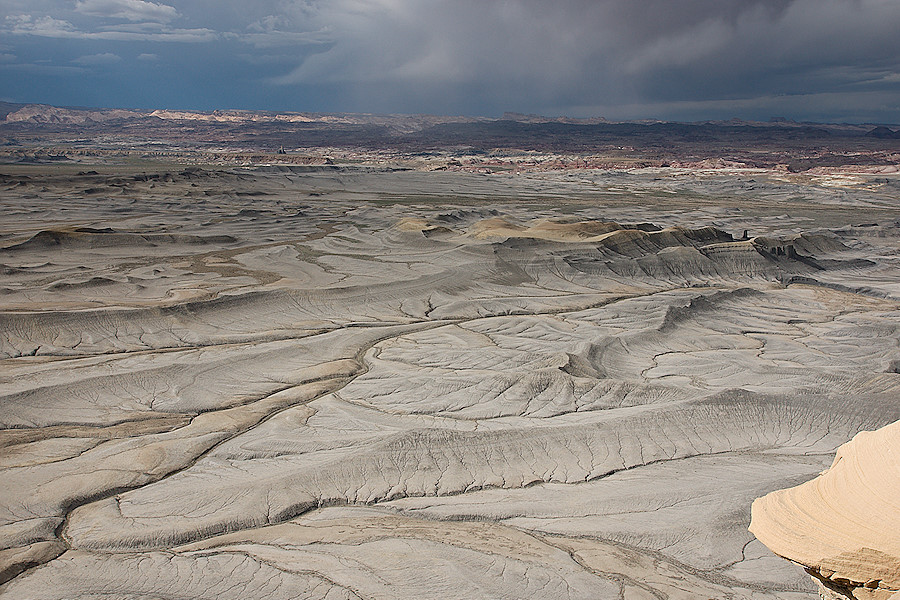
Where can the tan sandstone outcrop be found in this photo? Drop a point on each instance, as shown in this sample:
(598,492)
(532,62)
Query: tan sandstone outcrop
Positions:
(843,526)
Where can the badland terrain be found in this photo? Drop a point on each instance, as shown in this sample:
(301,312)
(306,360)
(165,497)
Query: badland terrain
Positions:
(257,355)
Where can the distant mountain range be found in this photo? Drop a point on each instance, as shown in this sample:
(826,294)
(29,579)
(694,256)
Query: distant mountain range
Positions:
(596,142)
(47,114)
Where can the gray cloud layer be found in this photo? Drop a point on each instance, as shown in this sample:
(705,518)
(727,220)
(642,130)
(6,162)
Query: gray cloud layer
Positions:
(819,59)
(131,10)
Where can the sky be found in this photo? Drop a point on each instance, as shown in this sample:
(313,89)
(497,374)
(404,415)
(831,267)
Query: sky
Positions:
(688,60)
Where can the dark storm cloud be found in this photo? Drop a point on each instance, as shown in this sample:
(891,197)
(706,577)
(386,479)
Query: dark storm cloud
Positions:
(688,59)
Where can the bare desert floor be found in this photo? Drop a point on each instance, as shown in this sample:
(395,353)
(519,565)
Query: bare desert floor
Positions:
(350,382)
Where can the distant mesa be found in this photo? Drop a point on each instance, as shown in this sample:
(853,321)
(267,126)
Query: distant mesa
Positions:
(531,118)
(884,133)
(43,114)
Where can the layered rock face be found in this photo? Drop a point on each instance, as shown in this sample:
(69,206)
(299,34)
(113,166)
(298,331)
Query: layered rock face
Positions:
(843,526)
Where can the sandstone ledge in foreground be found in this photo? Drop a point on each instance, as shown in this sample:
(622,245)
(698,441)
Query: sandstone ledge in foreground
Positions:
(843,526)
